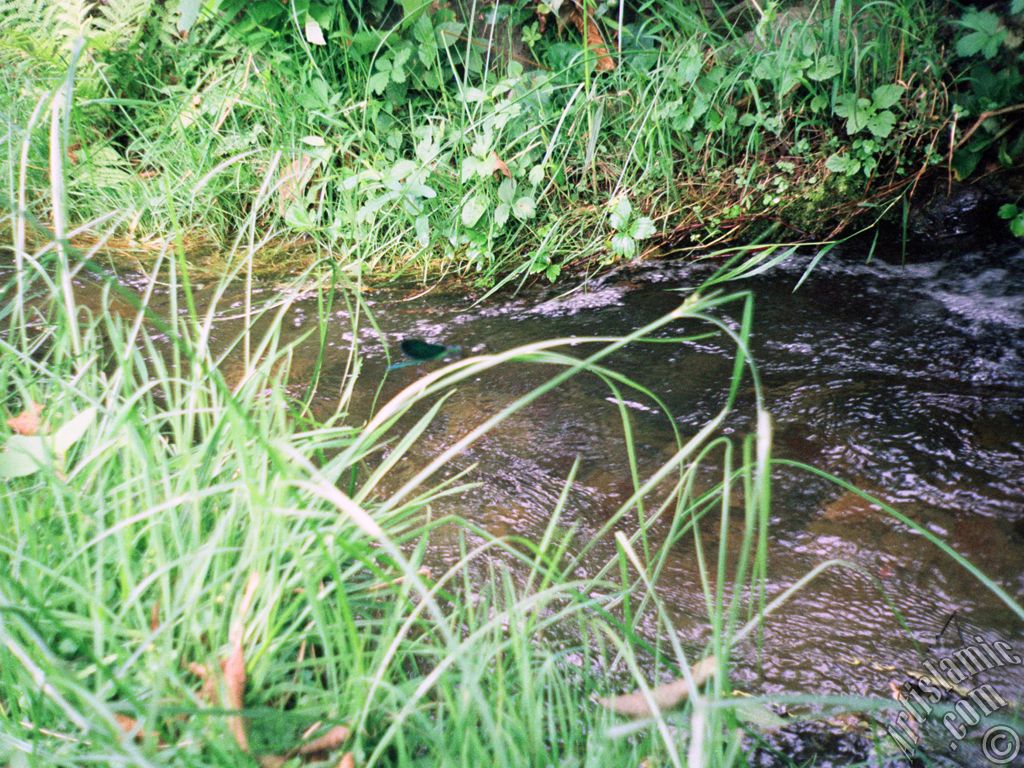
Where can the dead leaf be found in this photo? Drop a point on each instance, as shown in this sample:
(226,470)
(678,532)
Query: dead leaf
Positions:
(500,166)
(665,696)
(208,691)
(26,422)
(294,179)
(129,725)
(72,152)
(329,742)
(154,617)
(234,685)
(348,760)
(590,31)
(234,668)
(132,728)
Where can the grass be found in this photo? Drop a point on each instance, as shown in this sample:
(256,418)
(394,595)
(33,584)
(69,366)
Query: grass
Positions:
(198,573)
(129,557)
(417,149)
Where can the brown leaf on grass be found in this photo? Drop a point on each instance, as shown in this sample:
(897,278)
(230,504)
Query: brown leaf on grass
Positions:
(294,179)
(321,746)
(129,725)
(208,691)
(72,152)
(348,760)
(329,742)
(132,728)
(234,668)
(26,422)
(234,686)
(154,617)
(592,34)
(665,696)
(500,166)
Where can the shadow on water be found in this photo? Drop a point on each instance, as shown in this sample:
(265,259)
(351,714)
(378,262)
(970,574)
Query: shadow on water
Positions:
(905,380)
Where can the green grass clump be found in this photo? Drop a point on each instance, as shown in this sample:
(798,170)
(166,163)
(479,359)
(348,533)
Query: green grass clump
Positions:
(182,512)
(417,142)
(194,509)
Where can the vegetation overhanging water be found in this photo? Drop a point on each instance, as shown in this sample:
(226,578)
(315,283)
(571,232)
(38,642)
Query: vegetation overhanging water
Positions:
(687,513)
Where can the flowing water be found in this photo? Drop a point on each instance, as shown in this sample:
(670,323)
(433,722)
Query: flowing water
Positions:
(906,380)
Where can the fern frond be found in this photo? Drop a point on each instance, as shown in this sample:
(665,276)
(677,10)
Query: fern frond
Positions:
(71,20)
(118,23)
(29,27)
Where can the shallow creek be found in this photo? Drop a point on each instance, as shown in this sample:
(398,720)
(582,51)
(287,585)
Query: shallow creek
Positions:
(906,380)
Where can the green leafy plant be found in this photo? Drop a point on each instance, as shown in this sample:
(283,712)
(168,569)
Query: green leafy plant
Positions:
(984,34)
(874,114)
(629,228)
(1013,214)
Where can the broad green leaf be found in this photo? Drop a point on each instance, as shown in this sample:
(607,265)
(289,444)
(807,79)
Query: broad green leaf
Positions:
(536,175)
(848,166)
(297,216)
(623,245)
(621,213)
(423,231)
(824,68)
(402,56)
(689,67)
(378,81)
(986,36)
(885,96)
(71,431)
(524,208)
(643,228)
(845,104)
(964,163)
(881,123)
(473,210)
(24,455)
(859,116)
(482,145)
(1007,211)
(449,32)
(507,191)
(1017,225)
(412,10)
(501,214)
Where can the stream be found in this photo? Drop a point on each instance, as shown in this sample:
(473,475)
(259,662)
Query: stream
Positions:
(905,380)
